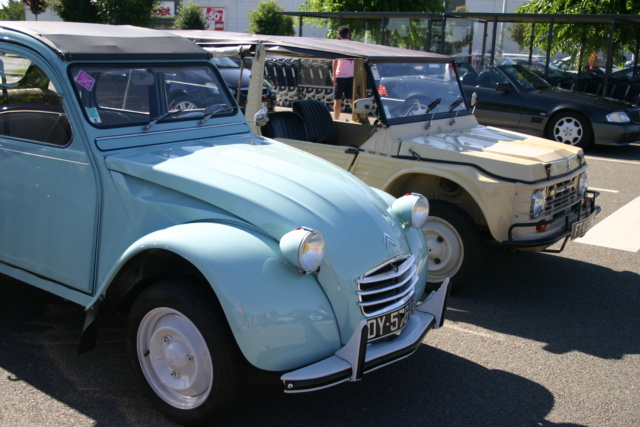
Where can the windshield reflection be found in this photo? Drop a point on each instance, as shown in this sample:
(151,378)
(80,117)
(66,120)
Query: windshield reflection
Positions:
(417,91)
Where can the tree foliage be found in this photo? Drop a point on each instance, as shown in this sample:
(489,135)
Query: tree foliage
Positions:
(264,20)
(12,11)
(400,32)
(130,12)
(576,40)
(36,6)
(76,10)
(117,12)
(190,17)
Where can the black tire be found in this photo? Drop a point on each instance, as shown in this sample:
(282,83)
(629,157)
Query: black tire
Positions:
(183,353)
(570,128)
(454,243)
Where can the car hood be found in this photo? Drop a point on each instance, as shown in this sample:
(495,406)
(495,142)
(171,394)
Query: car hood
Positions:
(274,187)
(589,100)
(508,155)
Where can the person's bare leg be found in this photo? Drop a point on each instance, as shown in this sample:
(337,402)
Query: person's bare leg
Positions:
(337,108)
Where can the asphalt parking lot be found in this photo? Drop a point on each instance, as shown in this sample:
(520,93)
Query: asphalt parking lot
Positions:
(538,340)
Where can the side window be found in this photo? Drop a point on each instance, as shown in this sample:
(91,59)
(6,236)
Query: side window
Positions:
(30,107)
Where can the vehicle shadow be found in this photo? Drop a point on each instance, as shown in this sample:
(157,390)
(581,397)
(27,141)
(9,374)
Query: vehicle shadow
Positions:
(40,340)
(626,152)
(565,303)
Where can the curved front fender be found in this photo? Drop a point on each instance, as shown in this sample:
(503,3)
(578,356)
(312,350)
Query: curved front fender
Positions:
(281,319)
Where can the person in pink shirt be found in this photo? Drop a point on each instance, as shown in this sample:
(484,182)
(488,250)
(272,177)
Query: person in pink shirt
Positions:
(342,77)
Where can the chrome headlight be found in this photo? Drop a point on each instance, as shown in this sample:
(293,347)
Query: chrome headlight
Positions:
(411,209)
(304,248)
(583,183)
(618,117)
(537,202)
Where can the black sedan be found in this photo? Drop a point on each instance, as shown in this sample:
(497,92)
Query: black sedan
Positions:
(514,97)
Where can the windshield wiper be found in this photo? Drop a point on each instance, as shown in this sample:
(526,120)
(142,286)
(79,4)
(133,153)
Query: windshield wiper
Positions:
(433,105)
(430,107)
(214,109)
(454,104)
(176,113)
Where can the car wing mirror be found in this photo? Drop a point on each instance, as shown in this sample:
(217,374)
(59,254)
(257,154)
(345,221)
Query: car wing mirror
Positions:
(363,106)
(504,87)
(474,99)
(261,117)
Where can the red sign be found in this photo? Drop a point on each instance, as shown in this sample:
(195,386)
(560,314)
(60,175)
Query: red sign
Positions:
(215,17)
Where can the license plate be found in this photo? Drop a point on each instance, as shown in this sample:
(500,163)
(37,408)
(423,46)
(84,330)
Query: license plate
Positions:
(578,229)
(391,322)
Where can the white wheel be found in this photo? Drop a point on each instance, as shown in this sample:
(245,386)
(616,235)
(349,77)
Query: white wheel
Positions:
(571,128)
(454,244)
(446,250)
(183,353)
(174,358)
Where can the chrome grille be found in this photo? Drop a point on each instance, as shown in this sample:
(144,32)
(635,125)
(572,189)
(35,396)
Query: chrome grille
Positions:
(388,286)
(561,195)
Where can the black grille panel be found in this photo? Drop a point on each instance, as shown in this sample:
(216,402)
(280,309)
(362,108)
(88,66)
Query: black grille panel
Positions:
(561,195)
(388,286)
(634,115)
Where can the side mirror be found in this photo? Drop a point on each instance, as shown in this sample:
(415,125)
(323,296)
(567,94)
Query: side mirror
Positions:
(474,99)
(261,117)
(504,87)
(363,106)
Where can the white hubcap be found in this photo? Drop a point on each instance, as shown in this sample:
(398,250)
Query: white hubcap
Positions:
(174,358)
(446,250)
(568,131)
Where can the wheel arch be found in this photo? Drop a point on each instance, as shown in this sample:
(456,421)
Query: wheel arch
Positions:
(445,187)
(247,279)
(564,110)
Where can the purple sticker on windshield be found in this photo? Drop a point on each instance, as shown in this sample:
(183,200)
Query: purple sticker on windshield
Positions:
(85,80)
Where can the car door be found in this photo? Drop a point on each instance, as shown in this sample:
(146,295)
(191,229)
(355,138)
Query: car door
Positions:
(498,102)
(48,189)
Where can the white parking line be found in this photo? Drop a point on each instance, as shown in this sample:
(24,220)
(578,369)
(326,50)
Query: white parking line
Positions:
(603,190)
(620,230)
(631,162)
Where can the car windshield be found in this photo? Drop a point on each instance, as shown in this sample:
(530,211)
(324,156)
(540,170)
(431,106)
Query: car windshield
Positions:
(525,77)
(417,91)
(113,96)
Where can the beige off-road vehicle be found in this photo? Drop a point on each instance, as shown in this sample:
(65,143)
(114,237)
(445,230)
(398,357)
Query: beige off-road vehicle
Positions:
(412,130)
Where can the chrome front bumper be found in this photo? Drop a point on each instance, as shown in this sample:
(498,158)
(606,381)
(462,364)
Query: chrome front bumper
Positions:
(358,357)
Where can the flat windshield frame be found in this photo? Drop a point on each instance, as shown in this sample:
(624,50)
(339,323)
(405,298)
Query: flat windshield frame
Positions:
(417,91)
(119,95)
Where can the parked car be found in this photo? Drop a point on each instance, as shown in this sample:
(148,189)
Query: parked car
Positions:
(230,253)
(485,185)
(514,97)
(238,76)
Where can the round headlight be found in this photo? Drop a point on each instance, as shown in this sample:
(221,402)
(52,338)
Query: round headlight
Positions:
(411,209)
(304,248)
(537,202)
(583,183)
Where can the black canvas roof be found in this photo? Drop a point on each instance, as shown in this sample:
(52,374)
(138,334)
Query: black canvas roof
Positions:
(82,41)
(312,47)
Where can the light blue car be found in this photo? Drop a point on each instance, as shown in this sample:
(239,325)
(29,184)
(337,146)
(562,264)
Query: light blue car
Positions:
(230,252)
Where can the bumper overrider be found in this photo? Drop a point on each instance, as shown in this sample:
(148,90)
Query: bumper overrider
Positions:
(358,356)
(576,222)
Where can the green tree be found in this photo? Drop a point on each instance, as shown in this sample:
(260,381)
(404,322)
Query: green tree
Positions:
(401,32)
(190,17)
(76,10)
(584,39)
(12,11)
(130,12)
(36,6)
(264,20)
